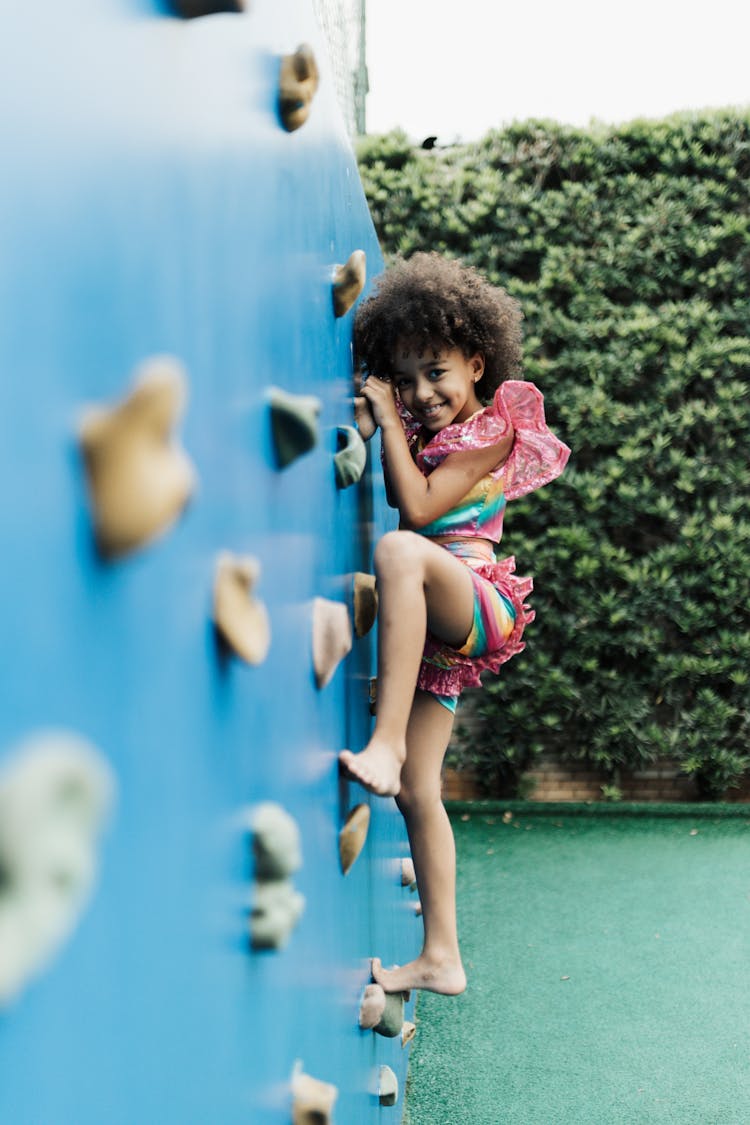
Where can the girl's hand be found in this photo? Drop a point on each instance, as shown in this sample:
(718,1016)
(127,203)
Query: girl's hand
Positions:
(366,424)
(381,399)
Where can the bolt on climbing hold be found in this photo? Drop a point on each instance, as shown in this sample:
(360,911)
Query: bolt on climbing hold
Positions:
(372,694)
(312,1100)
(298,82)
(408,1031)
(55,793)
(348,282)
(190,9)
(294,424)
(241,619)
(387,1086)
(352,836)
(392,1020)
(408,874)
(139,477)
(365,602)
(331,638)
(277,906)
(350,459)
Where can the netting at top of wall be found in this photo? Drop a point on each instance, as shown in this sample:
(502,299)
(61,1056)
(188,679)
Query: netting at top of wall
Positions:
(343,24)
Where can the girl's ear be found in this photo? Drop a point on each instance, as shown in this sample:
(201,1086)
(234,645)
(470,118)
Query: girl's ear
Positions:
(477,365)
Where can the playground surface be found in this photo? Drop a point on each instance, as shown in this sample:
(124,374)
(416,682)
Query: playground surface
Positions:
(608,956)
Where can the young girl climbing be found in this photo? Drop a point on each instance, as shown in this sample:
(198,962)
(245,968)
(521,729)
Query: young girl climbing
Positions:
(436,345)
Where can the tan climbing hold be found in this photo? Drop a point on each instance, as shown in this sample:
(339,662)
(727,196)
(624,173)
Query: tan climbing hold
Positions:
(408,1031)
(387,1086)
(418,908)
(408,874)
(348,282)
(331,638)
(139,476)
(365,602)
(294,424)
(191,9)
(298,82)
(372,1006)
(353,835)
(241,619)
(313,1100)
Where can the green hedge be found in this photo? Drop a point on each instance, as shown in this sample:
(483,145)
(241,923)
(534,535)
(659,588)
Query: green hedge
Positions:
(629,249)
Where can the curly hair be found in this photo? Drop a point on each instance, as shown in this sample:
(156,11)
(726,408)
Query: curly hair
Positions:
(428,301)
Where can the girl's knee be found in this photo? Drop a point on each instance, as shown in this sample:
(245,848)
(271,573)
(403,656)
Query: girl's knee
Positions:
(397,548)
(418,800)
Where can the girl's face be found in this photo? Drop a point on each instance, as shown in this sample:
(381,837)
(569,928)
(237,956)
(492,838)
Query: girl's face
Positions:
(437,387)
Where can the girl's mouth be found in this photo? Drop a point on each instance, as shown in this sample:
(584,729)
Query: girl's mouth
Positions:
(429,412)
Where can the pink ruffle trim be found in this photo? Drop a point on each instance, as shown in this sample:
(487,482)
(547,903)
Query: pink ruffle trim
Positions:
(464,671)
(537,456)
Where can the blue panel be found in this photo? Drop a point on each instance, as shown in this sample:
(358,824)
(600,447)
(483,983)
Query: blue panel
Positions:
(151,203)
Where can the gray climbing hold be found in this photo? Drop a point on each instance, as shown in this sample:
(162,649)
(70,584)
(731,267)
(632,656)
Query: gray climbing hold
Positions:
(350,460)
(392,1019)
(276,905)
(55,793)
(298,82)
(294,424)
(276,910)
(348,282)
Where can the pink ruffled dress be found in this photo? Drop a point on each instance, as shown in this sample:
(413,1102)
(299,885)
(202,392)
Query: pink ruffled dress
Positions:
(537,457)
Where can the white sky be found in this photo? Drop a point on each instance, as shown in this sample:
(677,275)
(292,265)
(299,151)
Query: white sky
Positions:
(456,68)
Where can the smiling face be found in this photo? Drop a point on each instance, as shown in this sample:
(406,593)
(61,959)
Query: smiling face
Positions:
(437,387)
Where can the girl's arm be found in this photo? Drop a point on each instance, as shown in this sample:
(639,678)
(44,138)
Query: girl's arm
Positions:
(420,499)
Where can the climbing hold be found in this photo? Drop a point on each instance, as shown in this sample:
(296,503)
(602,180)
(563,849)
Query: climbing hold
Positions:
(241,619)
(276,910)
(276,905)
(331,638)
(294,424)
(418,908)
(387,1086)
(353,835)
(139,477)
(372,694)
(365,602)
(350,460)
(189,9)
(392,1019)
(348,282)
(408,874)
(298,81)
(408,1031)
(372,1006)
(277,852)
(54,796)
(312,1100)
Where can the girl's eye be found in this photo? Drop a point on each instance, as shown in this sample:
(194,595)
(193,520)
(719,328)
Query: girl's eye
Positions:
(436,372)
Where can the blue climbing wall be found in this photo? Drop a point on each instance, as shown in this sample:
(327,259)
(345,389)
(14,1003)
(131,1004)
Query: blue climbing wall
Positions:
(151,204)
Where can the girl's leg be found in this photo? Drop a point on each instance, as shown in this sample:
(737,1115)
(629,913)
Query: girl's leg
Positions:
(438,968)
(420,586)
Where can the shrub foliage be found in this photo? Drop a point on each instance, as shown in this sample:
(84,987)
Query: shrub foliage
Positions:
(629,249)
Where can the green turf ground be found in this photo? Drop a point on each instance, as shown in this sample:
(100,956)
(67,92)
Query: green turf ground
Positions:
(609,972)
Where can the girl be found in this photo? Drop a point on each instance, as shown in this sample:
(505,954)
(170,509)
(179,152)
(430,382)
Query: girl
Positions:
(435,342)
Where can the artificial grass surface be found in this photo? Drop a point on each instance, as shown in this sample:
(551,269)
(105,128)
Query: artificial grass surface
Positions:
(608,958)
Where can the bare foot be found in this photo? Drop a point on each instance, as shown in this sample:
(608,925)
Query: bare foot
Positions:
(444,975)
(377,768)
